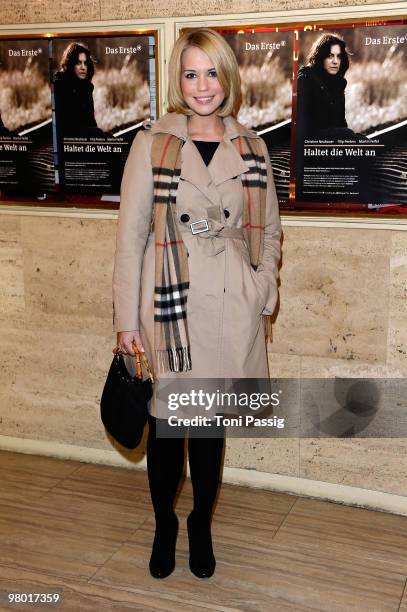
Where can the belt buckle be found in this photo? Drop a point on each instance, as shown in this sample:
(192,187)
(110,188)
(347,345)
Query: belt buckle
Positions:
(197,227)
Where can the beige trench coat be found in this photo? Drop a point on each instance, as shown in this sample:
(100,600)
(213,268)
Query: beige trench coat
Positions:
(226,296)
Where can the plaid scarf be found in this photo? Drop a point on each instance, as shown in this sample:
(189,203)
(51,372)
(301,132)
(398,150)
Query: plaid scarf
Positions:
(171,265)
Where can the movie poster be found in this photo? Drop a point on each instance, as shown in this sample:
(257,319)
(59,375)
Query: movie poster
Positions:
(266,65)
(26,151)
(351,118)
(103,91)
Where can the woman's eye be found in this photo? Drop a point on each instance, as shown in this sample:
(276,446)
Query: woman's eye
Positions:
(212,73)
(189,75)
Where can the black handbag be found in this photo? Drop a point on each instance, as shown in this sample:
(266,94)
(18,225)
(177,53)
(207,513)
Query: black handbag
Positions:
(123,405)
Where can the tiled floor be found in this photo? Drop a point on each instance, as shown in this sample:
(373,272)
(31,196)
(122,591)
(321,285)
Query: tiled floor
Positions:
(86,530)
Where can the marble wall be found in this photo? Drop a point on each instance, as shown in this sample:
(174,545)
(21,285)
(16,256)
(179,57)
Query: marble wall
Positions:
(45,11)
(342,312)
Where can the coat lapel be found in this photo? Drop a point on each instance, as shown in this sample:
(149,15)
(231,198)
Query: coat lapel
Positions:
(193,168)
(225,164)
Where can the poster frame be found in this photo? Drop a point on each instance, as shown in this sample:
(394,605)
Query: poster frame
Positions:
(308,24)
(78,201)
(167,30)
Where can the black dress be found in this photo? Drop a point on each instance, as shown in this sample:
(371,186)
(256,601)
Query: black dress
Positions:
(206,149)
(75,113)
(320,102)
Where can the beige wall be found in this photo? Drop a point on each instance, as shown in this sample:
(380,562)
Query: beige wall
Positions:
(48,11)
(343,312)
(343,308)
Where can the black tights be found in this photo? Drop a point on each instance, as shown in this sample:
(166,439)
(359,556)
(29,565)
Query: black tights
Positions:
(165,461)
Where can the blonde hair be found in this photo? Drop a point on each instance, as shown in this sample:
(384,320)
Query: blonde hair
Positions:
(225,64)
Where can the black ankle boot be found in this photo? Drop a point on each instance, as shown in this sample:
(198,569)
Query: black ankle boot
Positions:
(162,561)
(201,558)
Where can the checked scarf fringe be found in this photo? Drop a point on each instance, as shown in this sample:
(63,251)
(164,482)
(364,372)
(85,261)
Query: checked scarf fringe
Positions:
(171,336)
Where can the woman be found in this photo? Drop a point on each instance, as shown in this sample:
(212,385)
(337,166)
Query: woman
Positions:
(321,89)
(191,292)
(73,91)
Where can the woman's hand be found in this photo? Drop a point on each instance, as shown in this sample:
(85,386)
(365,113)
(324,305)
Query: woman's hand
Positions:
(126,339)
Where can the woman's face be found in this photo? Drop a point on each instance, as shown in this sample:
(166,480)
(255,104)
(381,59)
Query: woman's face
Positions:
(200,87)
(81,66)
(332,63)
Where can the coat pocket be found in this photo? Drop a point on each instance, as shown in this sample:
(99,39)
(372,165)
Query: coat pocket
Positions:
(256,285)
(261,285)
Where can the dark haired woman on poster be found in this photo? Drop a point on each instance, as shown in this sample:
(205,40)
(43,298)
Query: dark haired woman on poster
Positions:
(321,112)
(321,89)
(73,91)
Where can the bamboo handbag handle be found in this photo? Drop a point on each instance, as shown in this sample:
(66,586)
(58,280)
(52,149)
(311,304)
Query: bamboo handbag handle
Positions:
(141,360)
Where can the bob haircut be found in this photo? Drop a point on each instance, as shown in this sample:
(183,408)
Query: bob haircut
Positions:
(224,62)
(321,49)
(70,58)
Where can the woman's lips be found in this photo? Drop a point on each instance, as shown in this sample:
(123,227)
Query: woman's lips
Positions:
(204,99)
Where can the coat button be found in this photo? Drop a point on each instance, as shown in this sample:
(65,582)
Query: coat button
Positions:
(226,213)
(184,218)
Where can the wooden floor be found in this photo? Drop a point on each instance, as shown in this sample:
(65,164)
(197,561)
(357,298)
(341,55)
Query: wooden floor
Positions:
(86,530)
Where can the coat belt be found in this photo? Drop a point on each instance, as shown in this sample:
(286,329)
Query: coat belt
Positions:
(215,235)
(216,230)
